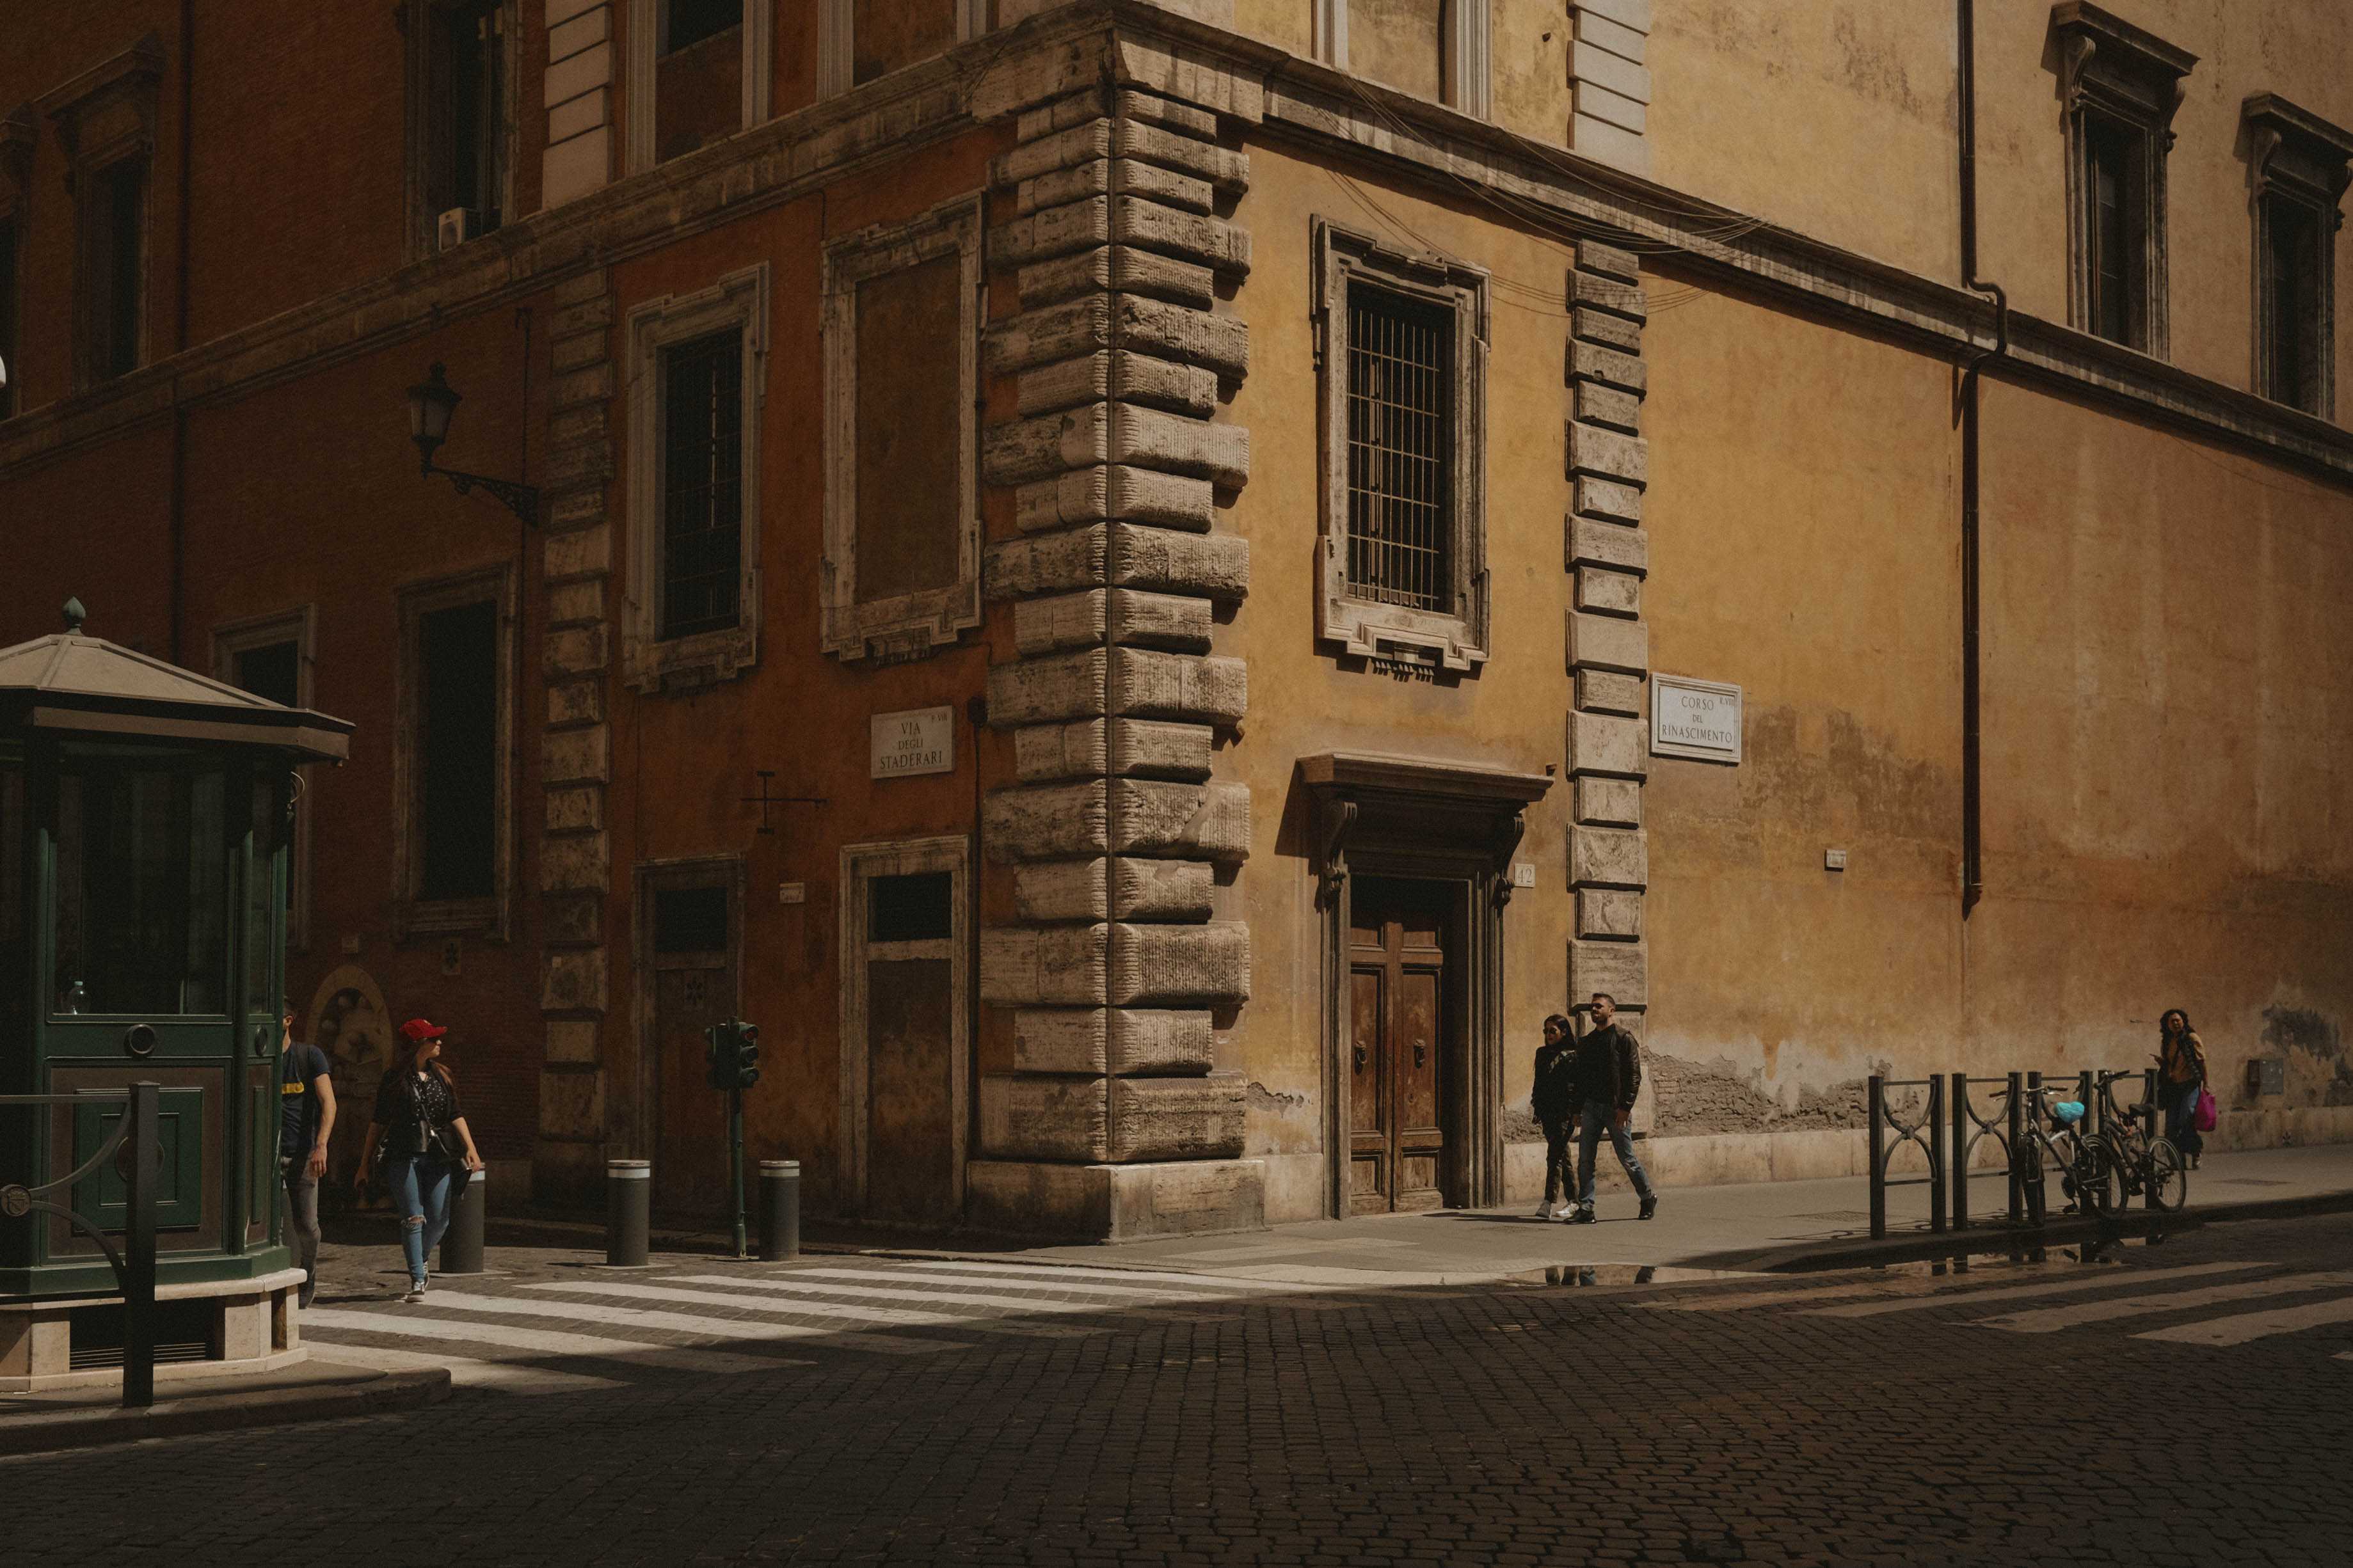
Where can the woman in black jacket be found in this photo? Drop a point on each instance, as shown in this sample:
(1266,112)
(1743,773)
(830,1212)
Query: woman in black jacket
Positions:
(425,1140)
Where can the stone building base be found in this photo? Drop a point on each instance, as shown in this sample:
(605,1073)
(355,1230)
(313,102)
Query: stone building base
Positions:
(257,1329)
(1116,1203)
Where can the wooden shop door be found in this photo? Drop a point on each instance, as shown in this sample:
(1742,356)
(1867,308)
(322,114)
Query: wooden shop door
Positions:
(689,968)
(1400,1046)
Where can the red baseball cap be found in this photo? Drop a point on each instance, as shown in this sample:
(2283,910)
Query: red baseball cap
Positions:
(420,1030)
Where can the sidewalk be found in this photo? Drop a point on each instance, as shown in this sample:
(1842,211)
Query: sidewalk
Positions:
(311,1391)
(1756,1227)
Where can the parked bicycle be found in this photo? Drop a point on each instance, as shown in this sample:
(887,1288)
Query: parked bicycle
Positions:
(2147,1165)
(2056,1140)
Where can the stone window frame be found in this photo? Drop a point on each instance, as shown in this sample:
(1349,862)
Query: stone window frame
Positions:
(2295,157)
(16,139)
(103,117)
(412,915)
(910,625)
(299,626)
(837,53)
(423,221)
(859,865)
(1466,64)
(649,662)
(2111,71)
(1366,628)
(643,32)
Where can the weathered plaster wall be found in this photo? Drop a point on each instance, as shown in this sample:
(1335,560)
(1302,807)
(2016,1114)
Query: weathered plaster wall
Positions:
(2169,764)
(2164,767)
(1833,118)
(1846,129)
(1803,545)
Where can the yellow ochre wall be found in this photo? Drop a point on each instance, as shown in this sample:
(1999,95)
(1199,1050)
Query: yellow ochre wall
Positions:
(1301,701)
(2168,772)
(1838,119)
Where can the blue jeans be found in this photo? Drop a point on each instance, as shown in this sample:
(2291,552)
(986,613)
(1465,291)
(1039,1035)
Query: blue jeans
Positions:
(2181,1117)
(1601,1117)
(421,1190)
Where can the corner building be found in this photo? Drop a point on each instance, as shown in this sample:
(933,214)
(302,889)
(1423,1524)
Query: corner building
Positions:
(1149,587)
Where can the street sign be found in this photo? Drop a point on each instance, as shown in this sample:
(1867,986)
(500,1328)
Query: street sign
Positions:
(919,740)
(1696,719)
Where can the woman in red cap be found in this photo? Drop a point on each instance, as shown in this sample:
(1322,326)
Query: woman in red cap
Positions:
(424,1138)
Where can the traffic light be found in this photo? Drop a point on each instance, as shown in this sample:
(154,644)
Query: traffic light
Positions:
(731,1050)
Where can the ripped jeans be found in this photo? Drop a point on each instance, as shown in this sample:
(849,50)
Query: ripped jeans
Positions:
(421,1191)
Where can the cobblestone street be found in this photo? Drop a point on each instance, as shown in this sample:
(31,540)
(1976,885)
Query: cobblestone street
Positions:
(2189,1402)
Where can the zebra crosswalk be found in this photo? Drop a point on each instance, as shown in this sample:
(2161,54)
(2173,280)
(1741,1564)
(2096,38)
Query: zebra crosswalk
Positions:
(582,1334)
(2256,1301)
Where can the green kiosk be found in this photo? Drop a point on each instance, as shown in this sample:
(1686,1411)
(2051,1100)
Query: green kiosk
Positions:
(143,814)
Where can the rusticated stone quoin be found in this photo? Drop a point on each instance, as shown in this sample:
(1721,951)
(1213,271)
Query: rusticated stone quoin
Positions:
(1116,458)
(1607,558)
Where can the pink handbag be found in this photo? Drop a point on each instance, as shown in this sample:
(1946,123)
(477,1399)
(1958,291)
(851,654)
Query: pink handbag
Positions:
(2205,1121)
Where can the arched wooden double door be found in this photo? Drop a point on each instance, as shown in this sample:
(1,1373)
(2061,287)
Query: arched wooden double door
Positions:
(1402,1045)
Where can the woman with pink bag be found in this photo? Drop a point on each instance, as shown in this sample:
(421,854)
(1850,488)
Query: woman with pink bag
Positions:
(2181,1077)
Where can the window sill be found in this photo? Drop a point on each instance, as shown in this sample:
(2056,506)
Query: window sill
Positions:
(450,917)
(689,663)
(1366,628)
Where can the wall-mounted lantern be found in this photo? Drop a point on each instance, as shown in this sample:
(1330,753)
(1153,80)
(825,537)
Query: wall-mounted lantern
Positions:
(432,402)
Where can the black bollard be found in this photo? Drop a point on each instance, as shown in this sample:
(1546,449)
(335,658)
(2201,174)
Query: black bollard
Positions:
(629,1208)
(461,1244)
(780,1210)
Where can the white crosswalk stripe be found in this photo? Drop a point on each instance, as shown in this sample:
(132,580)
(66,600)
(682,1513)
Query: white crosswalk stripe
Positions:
(2244,1327)
(466,1372)
(527,1341)
(1113,1276)
(1089,1286)
(791,1286)
(898,1317)
(2051,1320)
(2096,1280)
(544,1342)
(683,1322)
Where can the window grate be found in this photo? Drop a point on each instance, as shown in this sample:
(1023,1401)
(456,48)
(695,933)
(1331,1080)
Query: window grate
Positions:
(1400,418)
(702,484)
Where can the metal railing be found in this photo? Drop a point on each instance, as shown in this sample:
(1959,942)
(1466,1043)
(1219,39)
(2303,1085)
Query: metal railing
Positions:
(134,1265)
(1883,1120)
(1952,1129)
(1969,1129)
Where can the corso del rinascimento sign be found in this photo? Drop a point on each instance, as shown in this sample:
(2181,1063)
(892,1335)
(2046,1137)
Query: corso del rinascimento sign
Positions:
(1696,719)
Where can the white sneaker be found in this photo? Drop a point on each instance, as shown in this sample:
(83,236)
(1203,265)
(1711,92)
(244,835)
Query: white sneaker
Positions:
(1566,1211)
(415,1294)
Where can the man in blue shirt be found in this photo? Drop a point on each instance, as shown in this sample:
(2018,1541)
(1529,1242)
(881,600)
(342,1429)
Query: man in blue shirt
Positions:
(306,1115)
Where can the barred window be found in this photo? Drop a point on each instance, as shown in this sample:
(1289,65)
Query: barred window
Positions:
(1402,378)
(1400,382)
(702,484)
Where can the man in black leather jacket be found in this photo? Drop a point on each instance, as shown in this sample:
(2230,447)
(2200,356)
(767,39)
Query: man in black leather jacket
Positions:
(1554,1102)
(1608,1075)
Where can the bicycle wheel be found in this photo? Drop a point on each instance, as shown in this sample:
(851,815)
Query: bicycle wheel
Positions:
(2094,1175)
(2166,1177)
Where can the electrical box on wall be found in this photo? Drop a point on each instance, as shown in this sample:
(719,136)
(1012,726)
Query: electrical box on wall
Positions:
(1833,859)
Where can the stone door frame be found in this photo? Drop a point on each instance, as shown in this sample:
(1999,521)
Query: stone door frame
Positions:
(861,864)
(1429,820)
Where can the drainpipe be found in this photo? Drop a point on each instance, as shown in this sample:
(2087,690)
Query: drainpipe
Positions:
(179,502)
(1972,841)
